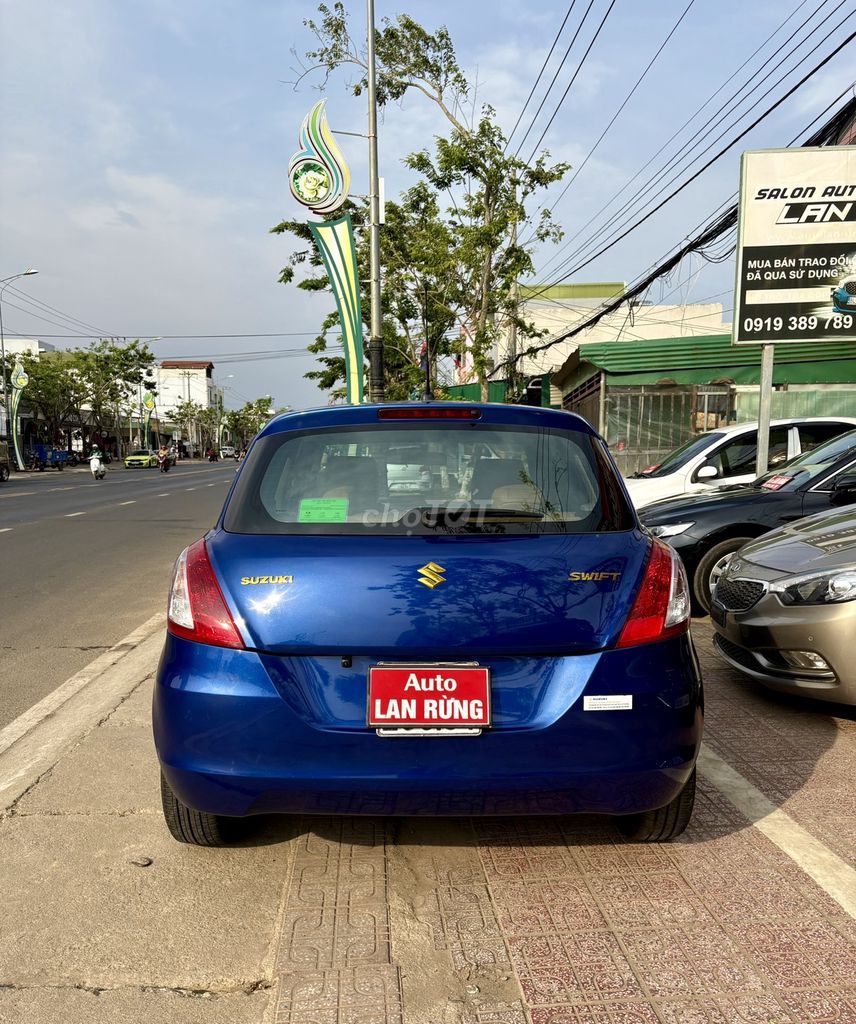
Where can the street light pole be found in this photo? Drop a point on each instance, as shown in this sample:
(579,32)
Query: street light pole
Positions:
(376,386)
(4,284)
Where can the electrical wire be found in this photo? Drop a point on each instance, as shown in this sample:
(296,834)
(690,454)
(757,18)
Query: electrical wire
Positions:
(73,321)
(573,79)
(624,103)
(718,155)
(553,79)
(540,73)
(825,135)
(671,162)
(625,214)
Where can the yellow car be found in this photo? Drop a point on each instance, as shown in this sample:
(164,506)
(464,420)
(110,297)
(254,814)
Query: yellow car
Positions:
(141,457)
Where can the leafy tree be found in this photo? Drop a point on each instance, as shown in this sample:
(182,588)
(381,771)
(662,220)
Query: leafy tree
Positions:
(186,414)
(114,376)
(451,252)
(54,390)
(244,423)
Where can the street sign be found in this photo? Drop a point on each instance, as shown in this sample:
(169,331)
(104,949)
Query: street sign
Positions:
(796,246)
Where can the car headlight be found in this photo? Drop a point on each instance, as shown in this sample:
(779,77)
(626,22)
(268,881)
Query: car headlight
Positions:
(824,588)
(669,529)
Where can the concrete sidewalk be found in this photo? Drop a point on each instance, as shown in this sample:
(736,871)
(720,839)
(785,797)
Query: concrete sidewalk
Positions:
(748,919)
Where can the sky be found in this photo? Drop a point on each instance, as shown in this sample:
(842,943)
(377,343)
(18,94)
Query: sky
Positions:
(145,146)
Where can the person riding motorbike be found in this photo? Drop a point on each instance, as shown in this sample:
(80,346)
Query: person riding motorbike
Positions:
(164,459)
(96,464)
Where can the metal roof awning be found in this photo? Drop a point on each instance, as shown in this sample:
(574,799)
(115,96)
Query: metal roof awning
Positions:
(710,359)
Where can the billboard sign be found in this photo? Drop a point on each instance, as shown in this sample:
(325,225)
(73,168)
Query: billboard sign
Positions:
(796,246)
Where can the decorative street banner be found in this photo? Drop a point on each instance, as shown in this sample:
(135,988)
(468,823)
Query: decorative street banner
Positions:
(319,179)
(149,406)
(796,246)
(335,241)
(19,382)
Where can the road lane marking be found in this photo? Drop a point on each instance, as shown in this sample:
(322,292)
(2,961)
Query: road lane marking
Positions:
(18,494)
(190,488)
(71,515)
(6,529)
(828,870)
(164,495)
(133,502)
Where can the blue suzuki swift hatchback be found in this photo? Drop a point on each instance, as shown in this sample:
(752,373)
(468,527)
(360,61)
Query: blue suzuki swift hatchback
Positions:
(498,636)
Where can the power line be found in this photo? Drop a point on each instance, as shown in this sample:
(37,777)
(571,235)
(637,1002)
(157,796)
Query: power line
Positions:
(625,214)
(553,79)
(540,73)
(573,79)
(712,160)
(679,157)
(179,337)
(72,320)
(825,135)
(626,100)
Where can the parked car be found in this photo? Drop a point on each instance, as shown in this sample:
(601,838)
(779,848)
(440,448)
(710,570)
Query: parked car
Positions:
(337,646)
(141,457)
(5,462)
(706,529)
(784,609)
(728,456)
(227,451)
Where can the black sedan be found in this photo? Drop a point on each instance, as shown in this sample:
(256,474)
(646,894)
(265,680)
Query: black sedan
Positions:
(707,529)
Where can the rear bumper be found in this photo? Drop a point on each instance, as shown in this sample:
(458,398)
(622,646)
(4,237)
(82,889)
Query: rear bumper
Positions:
(233,740)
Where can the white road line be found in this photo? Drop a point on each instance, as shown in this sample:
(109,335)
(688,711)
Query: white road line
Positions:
(164,495)
(212,485)
(71,515)
(190,488)
(831,873)
(6,529)
(134,502)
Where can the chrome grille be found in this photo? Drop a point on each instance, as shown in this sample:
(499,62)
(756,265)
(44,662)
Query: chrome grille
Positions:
(736,595)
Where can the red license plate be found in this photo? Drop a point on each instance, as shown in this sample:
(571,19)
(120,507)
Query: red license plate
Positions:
(440,696)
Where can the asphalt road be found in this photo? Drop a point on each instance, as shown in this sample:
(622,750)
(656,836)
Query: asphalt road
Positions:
(84,562)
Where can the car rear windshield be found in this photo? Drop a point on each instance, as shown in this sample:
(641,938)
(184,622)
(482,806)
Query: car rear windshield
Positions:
(426,479)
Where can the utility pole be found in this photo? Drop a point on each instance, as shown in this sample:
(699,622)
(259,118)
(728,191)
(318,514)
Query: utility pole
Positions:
(376,385)
(515,298)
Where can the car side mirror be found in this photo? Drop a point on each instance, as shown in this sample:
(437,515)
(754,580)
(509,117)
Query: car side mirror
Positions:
(845,482)
(707,473)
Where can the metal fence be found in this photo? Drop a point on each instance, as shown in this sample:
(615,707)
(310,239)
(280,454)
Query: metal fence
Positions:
(643,423)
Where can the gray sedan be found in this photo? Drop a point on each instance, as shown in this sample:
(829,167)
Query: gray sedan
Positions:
(784,609)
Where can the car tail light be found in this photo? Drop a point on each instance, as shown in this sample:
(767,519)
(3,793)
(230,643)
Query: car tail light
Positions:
(427,412)
(197,609)
(662,606)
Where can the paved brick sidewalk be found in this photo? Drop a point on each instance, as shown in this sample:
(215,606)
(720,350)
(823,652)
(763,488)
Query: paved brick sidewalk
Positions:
(440,921)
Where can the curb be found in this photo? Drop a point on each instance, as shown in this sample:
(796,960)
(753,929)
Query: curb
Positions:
(37,739)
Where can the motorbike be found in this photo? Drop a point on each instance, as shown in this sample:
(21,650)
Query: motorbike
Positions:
(97,467)
(164,462)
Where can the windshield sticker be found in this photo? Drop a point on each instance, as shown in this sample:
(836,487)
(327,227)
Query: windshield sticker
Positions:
(323,510)
(775,482)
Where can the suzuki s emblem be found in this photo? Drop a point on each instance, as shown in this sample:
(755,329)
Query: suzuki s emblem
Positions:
(431,575)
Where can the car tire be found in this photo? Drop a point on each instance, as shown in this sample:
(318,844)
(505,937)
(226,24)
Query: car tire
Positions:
(664,823)
(189,826)
(710,568)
